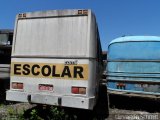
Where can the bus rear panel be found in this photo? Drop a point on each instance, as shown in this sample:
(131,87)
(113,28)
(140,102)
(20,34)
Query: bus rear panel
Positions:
(54,59)
(133,65)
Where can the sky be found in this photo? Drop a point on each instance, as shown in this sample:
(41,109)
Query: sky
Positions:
(115,18)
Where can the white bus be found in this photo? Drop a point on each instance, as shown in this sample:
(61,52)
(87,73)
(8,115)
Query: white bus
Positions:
(56,59)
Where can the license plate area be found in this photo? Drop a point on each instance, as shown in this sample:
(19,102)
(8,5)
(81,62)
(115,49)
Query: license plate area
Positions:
(45,87)
(141,85)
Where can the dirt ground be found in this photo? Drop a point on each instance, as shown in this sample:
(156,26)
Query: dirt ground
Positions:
(121,114)
(114,113)
(127,108)
(120,108)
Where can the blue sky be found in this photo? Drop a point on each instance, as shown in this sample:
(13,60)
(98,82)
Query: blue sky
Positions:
(115,17)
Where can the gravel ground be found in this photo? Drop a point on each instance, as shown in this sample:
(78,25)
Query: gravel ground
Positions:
(133,108)
(121,108)
(121,114)
(11,111)
(8,111)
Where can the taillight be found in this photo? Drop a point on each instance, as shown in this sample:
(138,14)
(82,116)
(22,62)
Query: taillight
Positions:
(75,90)
(121,85)
(78,90)
(16,85)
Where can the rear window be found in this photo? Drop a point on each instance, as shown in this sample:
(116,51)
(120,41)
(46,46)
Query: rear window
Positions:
(134,51)
(59,36)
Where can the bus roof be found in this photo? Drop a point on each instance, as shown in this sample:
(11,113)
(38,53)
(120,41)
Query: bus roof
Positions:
(135,39)
(55,13)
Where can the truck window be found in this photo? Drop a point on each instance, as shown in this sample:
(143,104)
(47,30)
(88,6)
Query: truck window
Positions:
(135,51)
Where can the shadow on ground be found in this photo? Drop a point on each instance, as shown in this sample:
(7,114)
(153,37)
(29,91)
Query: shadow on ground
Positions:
(134,103)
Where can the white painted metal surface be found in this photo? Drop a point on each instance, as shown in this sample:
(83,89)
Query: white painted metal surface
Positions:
(65,36)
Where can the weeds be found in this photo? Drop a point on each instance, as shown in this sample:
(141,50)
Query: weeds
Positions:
(34,115)
(14,114)
(56,114)
(51,113)
(11,111)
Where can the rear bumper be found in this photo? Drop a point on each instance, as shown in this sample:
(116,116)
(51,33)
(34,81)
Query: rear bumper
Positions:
(129,93)
(65,101)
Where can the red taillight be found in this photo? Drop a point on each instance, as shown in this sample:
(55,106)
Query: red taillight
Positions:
(75,90)
(121,85)
(78,90)
(16,85)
